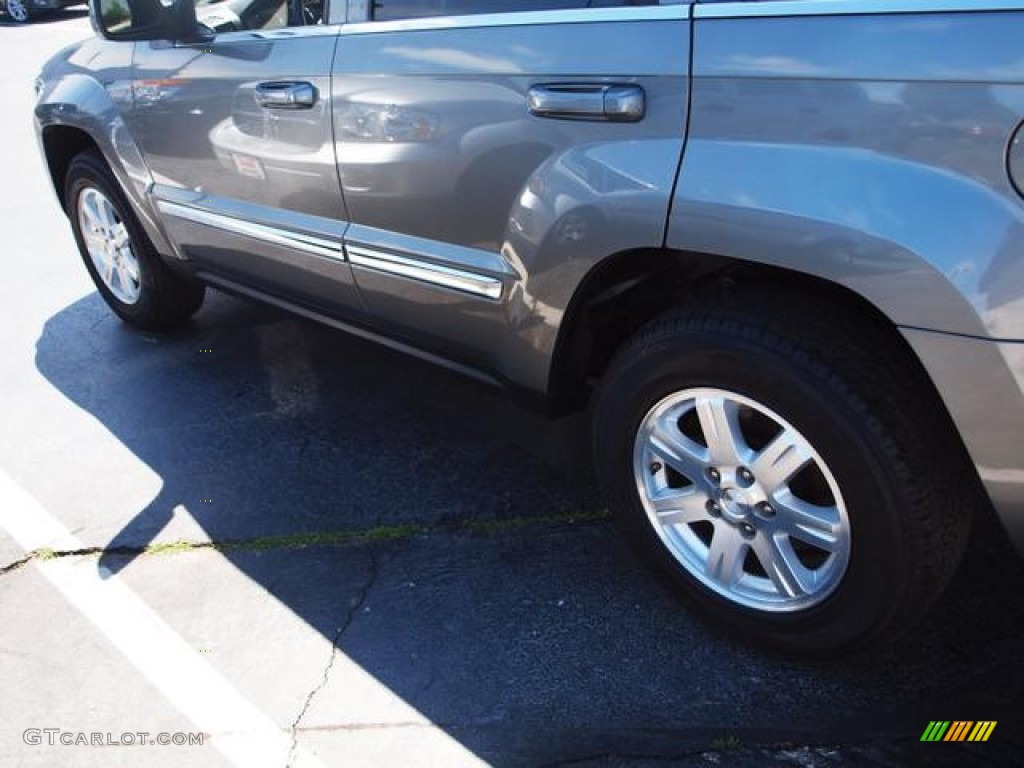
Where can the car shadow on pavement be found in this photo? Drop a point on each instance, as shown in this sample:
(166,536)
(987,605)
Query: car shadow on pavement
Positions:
(532,635)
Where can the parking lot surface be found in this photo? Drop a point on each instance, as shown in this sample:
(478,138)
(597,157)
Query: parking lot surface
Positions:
(314,551)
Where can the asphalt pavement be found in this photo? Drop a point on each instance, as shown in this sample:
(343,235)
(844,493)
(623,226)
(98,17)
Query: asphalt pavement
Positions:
(305,549)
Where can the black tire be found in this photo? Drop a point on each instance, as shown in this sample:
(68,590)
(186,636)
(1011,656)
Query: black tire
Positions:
(848,385)
(166,299)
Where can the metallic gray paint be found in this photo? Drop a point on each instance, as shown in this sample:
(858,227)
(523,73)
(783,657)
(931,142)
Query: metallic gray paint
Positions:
(87,86)
(212,146)
(466,166)
(870,151)
(296,256)
(982,384)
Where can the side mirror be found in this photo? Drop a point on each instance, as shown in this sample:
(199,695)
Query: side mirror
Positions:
(147,20)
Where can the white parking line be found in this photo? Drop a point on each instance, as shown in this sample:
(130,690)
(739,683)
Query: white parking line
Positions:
(369,726)
(240,731)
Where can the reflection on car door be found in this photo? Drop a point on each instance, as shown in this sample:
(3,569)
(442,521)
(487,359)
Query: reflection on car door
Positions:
(479,154)
(237,134)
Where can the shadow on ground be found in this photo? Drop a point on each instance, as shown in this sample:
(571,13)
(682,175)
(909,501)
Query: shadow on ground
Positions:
(538,642)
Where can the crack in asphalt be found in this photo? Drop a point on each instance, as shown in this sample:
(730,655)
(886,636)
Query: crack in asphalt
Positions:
(322,538)
(354,607)
(17,564)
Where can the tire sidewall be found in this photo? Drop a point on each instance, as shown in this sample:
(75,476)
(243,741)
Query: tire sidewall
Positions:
(87,172)
(805,396)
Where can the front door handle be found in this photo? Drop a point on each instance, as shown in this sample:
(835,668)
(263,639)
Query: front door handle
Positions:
(617,103)
(286,95)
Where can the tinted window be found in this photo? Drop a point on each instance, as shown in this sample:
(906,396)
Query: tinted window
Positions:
(412,9)
(235,15)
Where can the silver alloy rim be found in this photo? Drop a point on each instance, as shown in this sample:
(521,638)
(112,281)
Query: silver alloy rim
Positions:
(109,245)
(741,500)
(18,10)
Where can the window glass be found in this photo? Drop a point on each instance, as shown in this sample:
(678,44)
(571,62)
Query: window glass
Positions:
(236,15)
(384,10)
(124,17)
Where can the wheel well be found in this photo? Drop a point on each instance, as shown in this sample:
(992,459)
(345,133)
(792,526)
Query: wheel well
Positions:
(630,289)
(61,143)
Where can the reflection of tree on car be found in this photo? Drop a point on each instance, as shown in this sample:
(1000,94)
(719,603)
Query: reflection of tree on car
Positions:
(116,16)
(120,16)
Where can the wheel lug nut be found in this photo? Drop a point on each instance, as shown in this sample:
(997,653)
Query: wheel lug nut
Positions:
(714,474)
(712,508)
(747,530)
(745,475)
(655,466)
(765,509)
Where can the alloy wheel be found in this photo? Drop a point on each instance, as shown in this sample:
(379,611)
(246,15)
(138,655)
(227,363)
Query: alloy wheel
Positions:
(109,245)
(741,500)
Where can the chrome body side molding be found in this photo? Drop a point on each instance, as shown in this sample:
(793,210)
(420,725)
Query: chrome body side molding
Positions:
(275,235)
(425,271)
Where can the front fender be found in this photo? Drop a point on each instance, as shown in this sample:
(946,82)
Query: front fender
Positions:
(93,102)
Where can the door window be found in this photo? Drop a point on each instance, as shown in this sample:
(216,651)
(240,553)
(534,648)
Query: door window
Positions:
(385,10)
(239,15)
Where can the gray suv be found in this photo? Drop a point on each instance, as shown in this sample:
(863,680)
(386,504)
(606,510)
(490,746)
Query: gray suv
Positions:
(775,247)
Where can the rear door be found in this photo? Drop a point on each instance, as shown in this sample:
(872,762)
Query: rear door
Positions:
(237,134)
(488,160)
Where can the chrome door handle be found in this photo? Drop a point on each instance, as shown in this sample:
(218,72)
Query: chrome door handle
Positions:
(617,103)
(286,95)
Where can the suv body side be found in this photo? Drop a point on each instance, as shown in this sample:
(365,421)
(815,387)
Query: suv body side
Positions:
(859,144)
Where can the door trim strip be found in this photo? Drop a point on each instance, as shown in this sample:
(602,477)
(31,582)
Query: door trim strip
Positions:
(425,271)
(318,246)
(770,8)
(674,12)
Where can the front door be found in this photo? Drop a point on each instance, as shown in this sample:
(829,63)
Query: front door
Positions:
(237,135)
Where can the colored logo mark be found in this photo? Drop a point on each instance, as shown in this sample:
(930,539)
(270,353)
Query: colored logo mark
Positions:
(958,730)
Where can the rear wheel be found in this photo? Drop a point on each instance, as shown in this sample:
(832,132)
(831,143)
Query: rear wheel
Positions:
(127,271)
(786,468)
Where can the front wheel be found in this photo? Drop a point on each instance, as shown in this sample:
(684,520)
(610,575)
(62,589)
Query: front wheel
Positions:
(790,476)
(125,267)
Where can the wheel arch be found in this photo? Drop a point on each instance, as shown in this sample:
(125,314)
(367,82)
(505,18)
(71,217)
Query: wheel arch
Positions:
(627,290)
(75,114)
(61,143)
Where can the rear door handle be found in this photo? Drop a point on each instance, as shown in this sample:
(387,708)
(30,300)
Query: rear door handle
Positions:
(617,103)
(286,95)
